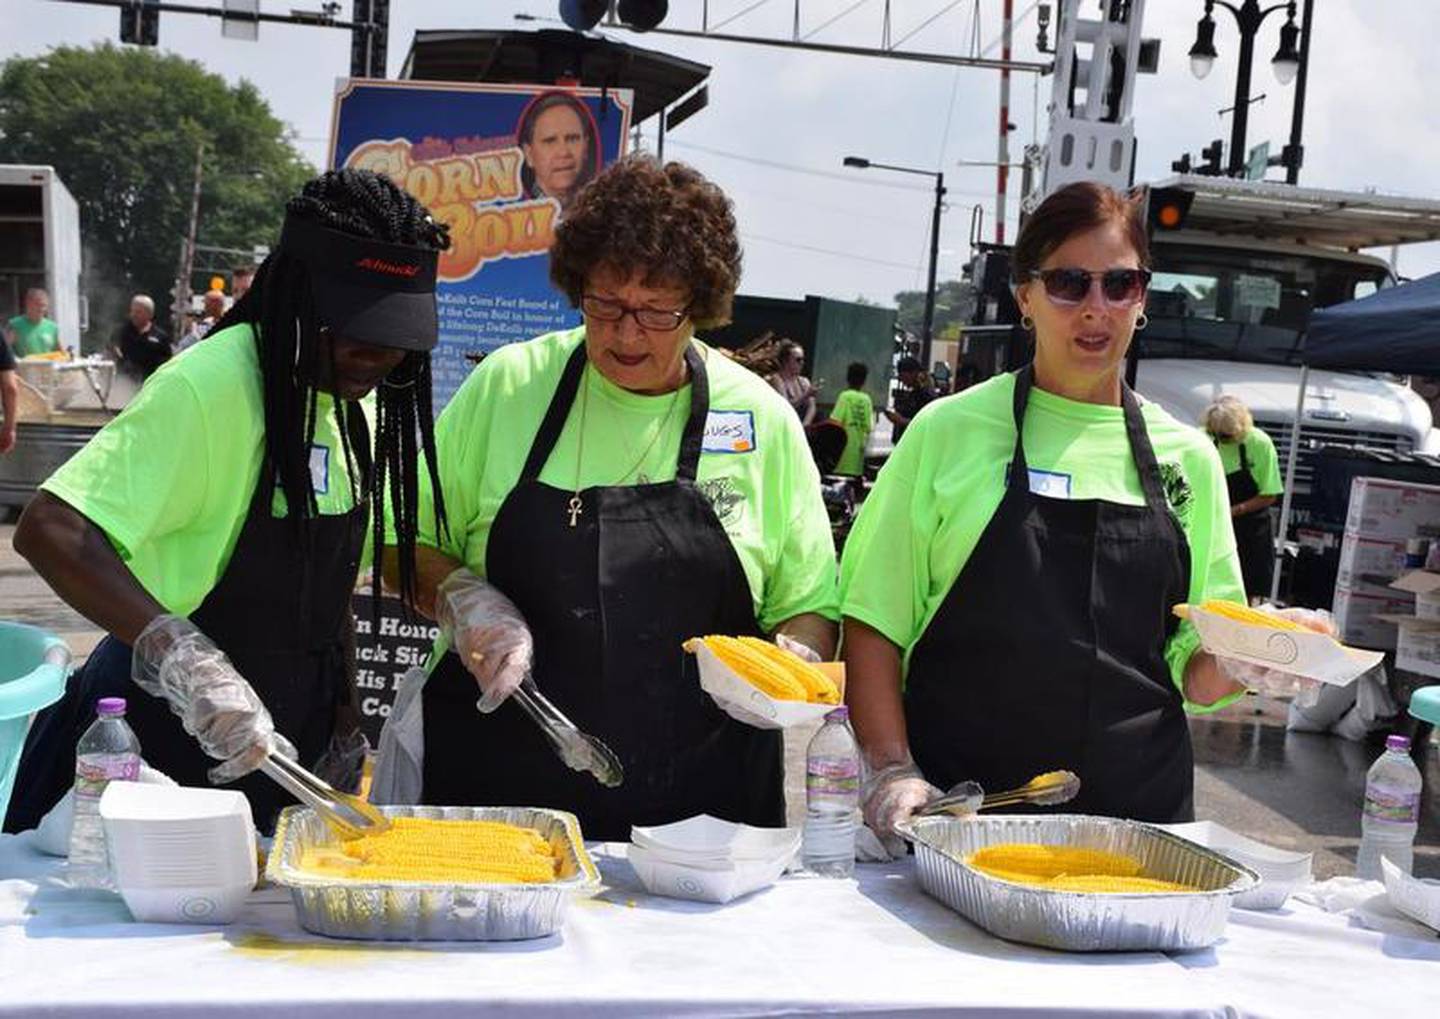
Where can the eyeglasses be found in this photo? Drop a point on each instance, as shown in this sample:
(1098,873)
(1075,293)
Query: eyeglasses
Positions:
(1119,287)
(657,320)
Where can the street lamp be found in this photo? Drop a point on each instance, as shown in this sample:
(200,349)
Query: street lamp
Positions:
(1286,63)
(928,327)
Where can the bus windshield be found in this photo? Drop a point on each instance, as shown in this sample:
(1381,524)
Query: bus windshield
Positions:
(1238,305)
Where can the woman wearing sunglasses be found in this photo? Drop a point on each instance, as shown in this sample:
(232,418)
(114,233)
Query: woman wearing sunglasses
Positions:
(614,490)
(1007,589)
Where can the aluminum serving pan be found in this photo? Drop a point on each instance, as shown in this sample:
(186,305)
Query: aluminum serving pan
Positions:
(1080,921)
(422,911)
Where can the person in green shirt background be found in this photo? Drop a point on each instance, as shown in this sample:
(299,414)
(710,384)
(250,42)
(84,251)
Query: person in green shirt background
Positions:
(215,528)
(1007,590)
(855,412)
(1252,478)
(33,332)
(613,490)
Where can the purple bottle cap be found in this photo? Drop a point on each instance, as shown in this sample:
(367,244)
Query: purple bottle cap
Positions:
(1401,743)
(110,706)
(840,714)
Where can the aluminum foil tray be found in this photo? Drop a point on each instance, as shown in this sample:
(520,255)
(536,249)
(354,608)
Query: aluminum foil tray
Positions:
(1080,921)
(421,911)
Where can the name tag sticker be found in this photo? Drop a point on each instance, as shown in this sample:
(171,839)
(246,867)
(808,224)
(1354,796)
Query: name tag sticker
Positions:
(729,431)
(1049,484)
(320,469)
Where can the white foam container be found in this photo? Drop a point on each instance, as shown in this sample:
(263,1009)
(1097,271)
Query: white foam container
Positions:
(703,837)
(707,883)
(1417,898)
(1281,871)
(177,854)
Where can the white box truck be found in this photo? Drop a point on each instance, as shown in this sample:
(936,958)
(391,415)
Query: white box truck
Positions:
(40,247)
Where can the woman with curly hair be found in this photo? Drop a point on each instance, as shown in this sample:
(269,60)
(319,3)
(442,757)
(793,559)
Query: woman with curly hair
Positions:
(613,490)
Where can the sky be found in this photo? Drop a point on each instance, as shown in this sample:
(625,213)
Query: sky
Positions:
(780,121)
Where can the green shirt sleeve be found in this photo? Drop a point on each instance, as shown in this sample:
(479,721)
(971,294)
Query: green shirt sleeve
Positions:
(145,474)
(1264,463)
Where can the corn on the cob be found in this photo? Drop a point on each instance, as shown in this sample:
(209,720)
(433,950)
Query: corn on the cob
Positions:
(1052,861)
(1243,614)
(819,689)
(1068,869)
(755,668)
(434,849)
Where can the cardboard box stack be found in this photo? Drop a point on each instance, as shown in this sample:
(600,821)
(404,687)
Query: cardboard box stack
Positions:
(1384,516)
(1417,647)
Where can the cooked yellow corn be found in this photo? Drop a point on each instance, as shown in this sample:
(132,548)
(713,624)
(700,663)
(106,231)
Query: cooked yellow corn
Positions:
(819,689)
(1068,869)
(433,849)
(1243,614)
(1052,861)
(756,669)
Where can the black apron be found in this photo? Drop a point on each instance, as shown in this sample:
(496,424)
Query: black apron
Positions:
(609,601)
(1048,650)
(283,617)
(1253,538)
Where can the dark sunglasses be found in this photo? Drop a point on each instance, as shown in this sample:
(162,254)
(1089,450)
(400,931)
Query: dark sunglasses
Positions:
(1119,287)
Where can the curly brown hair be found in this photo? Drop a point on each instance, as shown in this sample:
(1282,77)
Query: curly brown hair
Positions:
(667,224)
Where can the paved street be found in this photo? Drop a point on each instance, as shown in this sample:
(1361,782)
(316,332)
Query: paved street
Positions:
(1292,790)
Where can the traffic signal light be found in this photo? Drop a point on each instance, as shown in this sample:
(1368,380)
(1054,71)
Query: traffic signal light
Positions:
(1168,207)
(636,15)
(1181,165)
(140,22)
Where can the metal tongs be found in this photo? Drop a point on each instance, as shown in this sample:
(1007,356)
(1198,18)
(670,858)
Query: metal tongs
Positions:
(1047,790)
(579,750)
(349,816)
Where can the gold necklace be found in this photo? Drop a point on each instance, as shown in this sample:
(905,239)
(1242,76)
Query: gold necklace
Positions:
(576,505)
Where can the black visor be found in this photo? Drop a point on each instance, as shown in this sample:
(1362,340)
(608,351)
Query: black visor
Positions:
(366,290)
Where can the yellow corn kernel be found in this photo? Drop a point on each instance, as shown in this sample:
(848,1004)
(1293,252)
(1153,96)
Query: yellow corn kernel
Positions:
(1109,883)
(819,689)
(756,669)
(1243,614)
(1047,862)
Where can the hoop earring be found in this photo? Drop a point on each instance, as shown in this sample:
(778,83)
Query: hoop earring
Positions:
(1027,323)
(1142,321)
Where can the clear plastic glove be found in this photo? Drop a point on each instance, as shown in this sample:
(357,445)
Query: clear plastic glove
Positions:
(488,633)
(174,660)
(1276,682)
(890,796)
(798,648)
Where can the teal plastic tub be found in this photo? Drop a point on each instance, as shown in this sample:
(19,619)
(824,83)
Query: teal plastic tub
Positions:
(1425,704)
(33,668)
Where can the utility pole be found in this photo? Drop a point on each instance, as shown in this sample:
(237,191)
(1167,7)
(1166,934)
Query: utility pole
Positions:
(187,250)
(1294,153)
(1002,157)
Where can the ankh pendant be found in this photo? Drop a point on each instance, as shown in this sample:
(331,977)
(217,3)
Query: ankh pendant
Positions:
(575,509)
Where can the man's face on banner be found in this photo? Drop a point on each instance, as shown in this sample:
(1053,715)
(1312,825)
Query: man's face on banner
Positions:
(556,152)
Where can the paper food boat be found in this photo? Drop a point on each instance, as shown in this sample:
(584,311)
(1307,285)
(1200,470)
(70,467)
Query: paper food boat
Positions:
(1417,898)
(744,703)
(1299,652)
(1281,871)
(710,860)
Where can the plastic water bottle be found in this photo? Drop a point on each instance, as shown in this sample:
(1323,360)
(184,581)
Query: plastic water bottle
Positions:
(107,751)
(832,797)
(1392,811)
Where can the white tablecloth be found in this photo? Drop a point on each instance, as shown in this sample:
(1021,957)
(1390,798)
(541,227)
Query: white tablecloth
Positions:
(876,945)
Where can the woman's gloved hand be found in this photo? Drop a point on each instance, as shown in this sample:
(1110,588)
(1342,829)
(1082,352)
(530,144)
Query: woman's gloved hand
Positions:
(798,648)
(488,633)
(889,796)
(174,660)
(1276,682)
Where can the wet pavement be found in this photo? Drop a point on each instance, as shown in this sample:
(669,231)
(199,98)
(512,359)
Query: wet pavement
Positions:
(1293,790)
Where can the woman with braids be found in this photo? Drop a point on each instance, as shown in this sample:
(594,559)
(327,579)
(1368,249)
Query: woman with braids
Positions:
(215,528)
(613,490)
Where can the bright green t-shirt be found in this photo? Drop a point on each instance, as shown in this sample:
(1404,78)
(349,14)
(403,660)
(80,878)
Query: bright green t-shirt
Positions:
(170,479)
(1264,463)
(755,466)
(945,479)
(854,411)
(41,337)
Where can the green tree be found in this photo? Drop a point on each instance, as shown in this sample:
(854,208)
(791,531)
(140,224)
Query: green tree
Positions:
(121,126)
(952,307)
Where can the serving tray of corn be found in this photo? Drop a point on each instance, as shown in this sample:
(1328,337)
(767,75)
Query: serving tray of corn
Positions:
(1262,638)
(1076,882)
(437,874)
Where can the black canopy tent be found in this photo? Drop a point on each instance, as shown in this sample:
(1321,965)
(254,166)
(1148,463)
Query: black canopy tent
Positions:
(1393,330)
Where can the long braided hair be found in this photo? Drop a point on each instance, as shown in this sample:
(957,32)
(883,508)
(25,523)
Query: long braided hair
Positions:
(280,308)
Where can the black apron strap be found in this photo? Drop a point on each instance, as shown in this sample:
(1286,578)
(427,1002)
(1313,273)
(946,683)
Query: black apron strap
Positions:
(694,436)
(1244,458)
(1019,469)
(1142,451)
(555,415)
